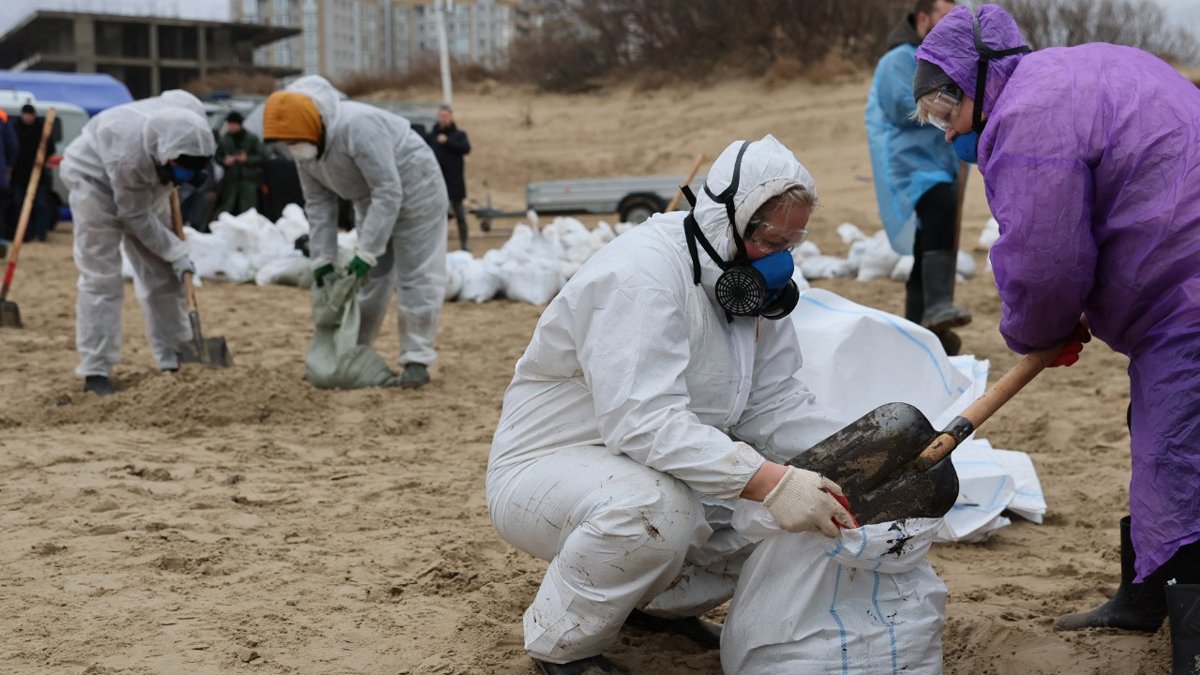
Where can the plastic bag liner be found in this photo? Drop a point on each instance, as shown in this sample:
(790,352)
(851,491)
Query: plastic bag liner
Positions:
(335,359)
(867,601)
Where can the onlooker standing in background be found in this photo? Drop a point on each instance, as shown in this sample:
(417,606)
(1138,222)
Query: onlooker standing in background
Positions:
(450,144)
(28,129)
(241,153)
(916,180)
(8,157)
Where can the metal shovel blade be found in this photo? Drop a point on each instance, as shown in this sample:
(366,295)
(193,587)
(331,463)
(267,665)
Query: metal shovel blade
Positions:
(10,315)
(212,352)
(868,459)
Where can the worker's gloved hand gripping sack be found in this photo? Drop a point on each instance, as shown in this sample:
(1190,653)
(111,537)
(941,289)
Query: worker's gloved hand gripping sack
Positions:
(804,501)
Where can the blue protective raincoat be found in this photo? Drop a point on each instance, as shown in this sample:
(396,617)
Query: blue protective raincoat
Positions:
(1091,161)
(906,158)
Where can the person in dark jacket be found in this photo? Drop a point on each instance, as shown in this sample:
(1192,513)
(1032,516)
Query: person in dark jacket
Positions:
(450,144)
(241,153)
(8,157)
(28,129)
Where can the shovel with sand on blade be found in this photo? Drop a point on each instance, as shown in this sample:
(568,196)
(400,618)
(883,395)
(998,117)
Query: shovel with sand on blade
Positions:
(10,313)
(213,351)
(892,464)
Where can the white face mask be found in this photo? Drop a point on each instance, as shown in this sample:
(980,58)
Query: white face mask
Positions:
(303,152)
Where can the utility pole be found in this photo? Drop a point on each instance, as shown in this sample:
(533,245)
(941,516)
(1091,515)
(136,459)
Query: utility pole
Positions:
(441,9)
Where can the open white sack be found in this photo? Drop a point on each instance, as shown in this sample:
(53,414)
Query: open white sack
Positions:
(865,602)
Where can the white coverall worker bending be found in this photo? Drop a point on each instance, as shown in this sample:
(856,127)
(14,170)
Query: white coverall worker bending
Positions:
(640,406)
(120,172)
(374,159)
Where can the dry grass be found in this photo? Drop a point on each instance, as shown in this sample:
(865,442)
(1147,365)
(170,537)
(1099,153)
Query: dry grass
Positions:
(424,75)
(233,82)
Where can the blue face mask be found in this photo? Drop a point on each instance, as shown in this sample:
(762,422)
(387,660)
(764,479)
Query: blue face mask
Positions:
(966,146)
(776,269)
(181,174)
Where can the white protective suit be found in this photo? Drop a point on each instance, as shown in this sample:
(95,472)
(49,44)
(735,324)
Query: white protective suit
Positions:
(117,198)
(374,159)
(636,413)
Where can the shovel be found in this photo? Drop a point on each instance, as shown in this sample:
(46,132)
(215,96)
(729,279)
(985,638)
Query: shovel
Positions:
(10,313)
(212,352)
(892,464)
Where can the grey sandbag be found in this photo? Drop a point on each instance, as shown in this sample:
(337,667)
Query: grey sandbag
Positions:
(335,359)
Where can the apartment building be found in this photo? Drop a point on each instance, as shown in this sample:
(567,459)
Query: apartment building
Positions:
(340,37)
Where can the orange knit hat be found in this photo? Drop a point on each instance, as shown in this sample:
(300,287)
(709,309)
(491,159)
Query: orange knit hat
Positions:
(291,116)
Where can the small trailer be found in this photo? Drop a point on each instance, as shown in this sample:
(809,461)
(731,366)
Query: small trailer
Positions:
(632,198)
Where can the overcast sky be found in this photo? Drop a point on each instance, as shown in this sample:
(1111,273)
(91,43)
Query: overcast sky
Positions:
(12,11)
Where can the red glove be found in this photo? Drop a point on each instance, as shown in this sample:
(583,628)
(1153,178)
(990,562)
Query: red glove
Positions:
(1069,353)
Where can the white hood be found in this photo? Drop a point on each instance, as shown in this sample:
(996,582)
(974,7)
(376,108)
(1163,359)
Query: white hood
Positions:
(768,169)
(172,132)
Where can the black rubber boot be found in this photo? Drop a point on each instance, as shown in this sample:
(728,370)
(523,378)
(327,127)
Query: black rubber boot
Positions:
(914,300)
(1139,607)
(951,342)
(703,633)
(98,385)
(1183,608)
(937,282)
(593,665)
(415,375)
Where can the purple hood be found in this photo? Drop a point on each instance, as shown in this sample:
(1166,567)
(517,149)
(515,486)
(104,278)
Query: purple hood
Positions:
(951,47)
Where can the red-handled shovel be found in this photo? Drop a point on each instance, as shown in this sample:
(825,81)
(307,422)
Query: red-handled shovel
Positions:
(10,313)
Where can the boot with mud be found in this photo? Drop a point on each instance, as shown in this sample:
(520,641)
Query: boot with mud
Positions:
(98,385)
(704,633)
(937,280)
(1137,607)
(593,665)
(1183,610)
(415,376)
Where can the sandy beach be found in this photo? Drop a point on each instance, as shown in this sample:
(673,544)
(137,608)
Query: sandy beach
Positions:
(225,521)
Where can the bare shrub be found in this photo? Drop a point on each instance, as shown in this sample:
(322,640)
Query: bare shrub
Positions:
(1051,23)
(582,44)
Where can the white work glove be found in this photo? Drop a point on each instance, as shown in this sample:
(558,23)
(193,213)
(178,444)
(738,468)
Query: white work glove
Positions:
(803,501)
(183,266)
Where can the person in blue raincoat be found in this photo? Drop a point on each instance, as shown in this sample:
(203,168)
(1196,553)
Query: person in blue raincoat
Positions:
(916,176)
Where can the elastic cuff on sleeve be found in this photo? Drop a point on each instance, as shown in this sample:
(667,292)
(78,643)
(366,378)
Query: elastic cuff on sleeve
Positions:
(365,256)
(745,462)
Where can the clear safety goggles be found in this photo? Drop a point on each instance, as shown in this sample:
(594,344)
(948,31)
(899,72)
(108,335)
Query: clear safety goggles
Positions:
(773,239)
(940,107)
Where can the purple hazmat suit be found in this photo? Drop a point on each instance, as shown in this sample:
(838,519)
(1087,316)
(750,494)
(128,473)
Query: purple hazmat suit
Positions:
(1091,162)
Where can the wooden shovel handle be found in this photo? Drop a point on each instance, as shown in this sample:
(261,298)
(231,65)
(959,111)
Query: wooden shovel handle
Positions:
(27,205)
(177,223)
(687,181)
(992,400)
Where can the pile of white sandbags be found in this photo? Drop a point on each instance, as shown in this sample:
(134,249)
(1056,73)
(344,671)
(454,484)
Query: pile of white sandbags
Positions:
(532,266)
(869,258)
(244,248)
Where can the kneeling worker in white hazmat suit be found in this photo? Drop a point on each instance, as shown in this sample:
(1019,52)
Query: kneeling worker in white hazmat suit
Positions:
(644,404)
(374,159)
(120,173)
